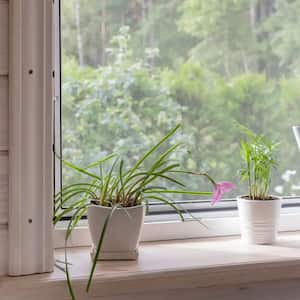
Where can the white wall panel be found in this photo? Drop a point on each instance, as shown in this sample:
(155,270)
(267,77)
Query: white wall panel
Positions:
(30,137)
(3,252)
(3,189)
(3,137)
(3,110)
(3,37)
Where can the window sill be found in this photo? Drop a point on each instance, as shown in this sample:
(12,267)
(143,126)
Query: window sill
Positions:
(170,265)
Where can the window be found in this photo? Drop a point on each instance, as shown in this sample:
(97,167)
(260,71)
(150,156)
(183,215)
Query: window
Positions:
(131,70)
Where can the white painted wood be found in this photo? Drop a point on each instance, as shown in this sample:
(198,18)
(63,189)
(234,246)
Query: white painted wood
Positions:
(3,190)
(171,230)
(3,251)
(3,110)
(189,264)
(173,269)
(30,137)
(57,94)
(274,290)
(3,136)
(3,37)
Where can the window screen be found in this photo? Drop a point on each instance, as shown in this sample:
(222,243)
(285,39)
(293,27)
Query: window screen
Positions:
(133,69)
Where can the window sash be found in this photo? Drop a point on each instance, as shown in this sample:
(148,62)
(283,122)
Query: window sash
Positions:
(158,212)
(217,224)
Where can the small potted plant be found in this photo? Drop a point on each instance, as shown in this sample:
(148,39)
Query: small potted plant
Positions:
(258,210)
(115,198)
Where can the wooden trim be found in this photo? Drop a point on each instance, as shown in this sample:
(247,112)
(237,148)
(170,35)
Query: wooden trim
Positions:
(164,266)
(3,190)
(3,249)
(3,111)
(30,137)
(3,37)
(171,230)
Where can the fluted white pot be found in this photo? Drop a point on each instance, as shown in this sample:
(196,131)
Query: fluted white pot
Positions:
(259,220)
(123,231)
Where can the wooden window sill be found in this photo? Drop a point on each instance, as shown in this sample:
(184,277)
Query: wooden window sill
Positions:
(168,265)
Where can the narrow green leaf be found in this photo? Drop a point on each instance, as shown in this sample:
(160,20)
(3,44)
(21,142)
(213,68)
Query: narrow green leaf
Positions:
(178,192)
(155,147)
(80,170)
(101,161)
(168,202)
(101,238)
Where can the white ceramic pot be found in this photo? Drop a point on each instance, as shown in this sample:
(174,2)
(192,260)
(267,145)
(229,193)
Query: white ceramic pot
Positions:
(123,231)
(259,220)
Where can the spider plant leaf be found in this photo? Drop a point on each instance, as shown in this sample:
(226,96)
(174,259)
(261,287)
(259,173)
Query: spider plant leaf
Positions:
(101,161)
(101,238)
(152,175)
(58,217)
(168,178)
(61,211)
(157,163)
(107,181)
(133,176)
(183,192)
(87,193)
(144,185)
(68,197)
(68,233)
(191,215)
(148,177)
(121,176)
(153,187)
(80,170)
(73,187)
(114,187)
(168,202)
(154,148)
(78,217)
(75,191)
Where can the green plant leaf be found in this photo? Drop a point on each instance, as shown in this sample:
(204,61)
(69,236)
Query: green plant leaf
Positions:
(100,161)
(178,192)
(80,170)
(101,238)
(155,147)
(168,202)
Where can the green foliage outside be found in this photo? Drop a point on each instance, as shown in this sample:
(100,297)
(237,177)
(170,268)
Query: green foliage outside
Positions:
(134,69)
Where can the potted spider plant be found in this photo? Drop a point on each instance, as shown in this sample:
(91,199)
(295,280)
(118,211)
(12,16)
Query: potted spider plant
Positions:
(259,211)
(115,198)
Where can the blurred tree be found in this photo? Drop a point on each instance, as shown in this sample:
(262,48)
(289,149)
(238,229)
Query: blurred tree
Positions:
(202,63)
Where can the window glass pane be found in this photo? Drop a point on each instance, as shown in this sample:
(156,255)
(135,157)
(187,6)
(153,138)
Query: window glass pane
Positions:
(133,69)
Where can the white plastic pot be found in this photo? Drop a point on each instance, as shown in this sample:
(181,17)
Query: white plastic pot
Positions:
(259,220)
(123,231)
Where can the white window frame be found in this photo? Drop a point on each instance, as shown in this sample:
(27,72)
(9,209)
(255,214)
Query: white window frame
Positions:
(215,223)
(30,225)
(156,230)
